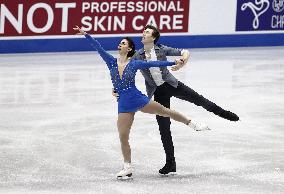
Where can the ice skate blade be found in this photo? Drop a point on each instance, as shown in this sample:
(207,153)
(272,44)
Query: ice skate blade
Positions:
(168,175)
(207,129)
(124,178)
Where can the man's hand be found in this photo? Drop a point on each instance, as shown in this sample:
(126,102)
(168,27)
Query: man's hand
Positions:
(185,56)
(115,94)
(80,31)
(182,61)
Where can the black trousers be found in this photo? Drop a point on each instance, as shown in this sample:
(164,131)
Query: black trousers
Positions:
(163,95)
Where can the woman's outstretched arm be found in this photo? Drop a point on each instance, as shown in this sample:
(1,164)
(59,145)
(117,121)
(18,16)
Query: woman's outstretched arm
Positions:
(96,45)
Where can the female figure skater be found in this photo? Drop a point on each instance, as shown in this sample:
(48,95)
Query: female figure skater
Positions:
(131,100)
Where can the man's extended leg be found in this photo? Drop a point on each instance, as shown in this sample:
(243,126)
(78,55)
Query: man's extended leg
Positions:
(186,93)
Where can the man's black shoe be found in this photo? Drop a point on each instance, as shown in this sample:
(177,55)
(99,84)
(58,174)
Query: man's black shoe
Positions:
(229,116)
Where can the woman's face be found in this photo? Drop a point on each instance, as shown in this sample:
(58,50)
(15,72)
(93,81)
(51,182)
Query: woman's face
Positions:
(123,46)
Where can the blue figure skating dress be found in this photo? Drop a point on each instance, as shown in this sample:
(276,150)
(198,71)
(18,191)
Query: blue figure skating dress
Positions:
(130,98)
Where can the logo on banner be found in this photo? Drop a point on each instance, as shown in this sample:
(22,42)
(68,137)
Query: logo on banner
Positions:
(253,15)
(278,5)
(259,8)
(58,17)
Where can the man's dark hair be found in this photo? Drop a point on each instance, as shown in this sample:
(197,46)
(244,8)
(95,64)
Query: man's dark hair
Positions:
(156,33)
(131,44)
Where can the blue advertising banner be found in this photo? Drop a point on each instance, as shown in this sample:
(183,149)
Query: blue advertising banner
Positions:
(257,15)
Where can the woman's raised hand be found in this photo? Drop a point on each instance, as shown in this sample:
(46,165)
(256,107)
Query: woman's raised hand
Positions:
(81,32)
(179,64)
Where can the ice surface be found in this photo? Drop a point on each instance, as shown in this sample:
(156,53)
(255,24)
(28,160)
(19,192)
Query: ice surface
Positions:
(58,126)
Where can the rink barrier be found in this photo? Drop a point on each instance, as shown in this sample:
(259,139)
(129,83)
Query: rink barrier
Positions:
(110,43)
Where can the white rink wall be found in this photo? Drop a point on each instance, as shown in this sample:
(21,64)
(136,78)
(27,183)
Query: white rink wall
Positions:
(208,17)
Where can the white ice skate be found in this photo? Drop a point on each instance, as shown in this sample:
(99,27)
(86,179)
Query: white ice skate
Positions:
(125,173)
(198,126)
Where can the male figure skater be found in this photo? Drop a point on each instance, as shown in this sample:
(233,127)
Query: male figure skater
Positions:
(161,84)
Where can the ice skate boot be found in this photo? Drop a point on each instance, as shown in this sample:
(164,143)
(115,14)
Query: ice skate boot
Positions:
(125,173)
(198,126)
(229,116)
(169,168)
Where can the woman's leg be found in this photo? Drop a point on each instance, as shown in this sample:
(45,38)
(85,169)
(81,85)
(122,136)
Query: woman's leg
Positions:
(155,108)
(124,123)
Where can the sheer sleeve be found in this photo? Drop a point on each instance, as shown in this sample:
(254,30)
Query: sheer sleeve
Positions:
(108,58)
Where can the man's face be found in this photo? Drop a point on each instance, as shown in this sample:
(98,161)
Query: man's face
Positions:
(147,36)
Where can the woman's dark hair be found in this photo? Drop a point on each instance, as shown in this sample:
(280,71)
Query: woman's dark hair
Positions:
(156,33)
(131,44)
